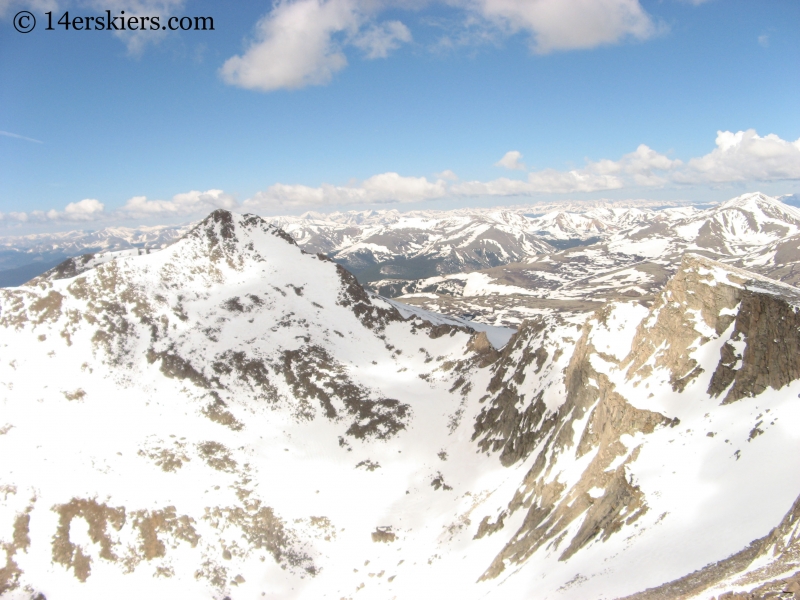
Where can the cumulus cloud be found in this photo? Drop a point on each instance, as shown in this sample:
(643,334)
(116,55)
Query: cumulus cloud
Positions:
(447,174)
(511,161)
(138,207)
(642,167)
(548,181)
(744,156)
(738,157)
(189,203)
(295,45)
(378,189)
(570,24)
(88,209)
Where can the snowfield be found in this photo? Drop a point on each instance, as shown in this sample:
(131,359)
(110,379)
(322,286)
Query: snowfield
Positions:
(231,416)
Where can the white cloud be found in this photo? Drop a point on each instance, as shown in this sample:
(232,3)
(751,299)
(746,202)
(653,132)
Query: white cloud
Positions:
(295,46)
(85,210)
(744,156)
(391,187)
(88,209)
(181,204)
(138,207)
(378,189)
(511,161)
(378,40)
(447,174)
(738,157)
(569,24)
(559,182)
(763,40)
(548,181)
(642,167)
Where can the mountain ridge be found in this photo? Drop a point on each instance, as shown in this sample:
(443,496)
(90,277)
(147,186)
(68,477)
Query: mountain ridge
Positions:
(301,437)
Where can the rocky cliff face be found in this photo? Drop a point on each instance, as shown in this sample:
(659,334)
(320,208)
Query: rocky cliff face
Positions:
(232,417)
(711,339)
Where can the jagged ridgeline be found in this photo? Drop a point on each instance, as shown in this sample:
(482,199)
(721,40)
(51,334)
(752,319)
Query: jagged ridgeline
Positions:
(233,417)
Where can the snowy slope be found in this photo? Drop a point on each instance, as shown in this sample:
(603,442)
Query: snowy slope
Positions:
(233,417)
(226,414)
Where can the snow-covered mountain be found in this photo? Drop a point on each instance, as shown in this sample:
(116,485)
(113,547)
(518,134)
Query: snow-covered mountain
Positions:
(386,245)
(634,258)
(233,417)
(377,245)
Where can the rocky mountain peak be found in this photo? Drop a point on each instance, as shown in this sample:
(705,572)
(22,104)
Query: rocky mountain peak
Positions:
(758,213)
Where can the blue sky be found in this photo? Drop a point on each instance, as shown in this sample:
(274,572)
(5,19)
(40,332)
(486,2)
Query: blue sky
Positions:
(349,104)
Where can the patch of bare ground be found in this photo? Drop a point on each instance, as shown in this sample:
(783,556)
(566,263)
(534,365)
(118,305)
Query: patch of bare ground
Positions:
(169,459)
(217,456)
(252,371)
(438,483)
(98,517)
(152,523)
(217,411)
(20,540)
(76,395)
(368,465)
(383,534)
(263,530)
(175,366)
(324,526)
(313,374)
(72,267)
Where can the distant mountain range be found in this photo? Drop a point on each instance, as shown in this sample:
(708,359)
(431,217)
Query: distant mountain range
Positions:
(383,245)
(374,245)
(636,253)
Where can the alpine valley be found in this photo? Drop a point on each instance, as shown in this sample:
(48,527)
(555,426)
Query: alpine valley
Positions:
(568,403)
